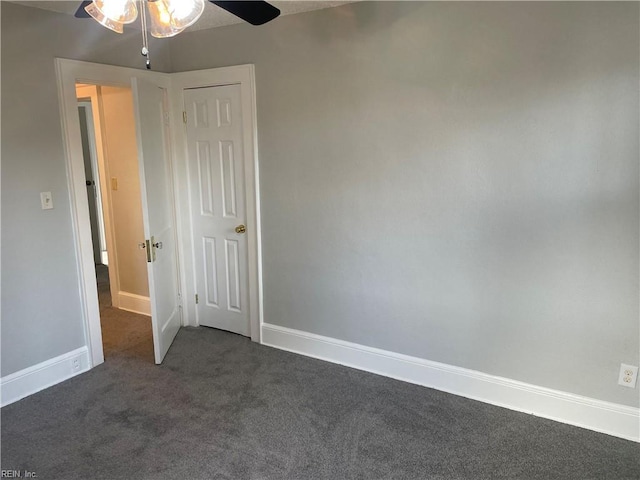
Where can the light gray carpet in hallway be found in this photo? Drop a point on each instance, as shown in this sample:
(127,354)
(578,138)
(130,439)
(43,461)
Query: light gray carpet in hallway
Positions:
(223,407)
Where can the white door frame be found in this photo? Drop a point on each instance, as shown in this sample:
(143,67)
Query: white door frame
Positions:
(243,75)
(68,73)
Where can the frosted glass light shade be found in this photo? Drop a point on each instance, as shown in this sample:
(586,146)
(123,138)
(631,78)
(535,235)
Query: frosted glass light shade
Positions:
(161,25)
(120,11)
(99,17)
(163,31)
(170,17)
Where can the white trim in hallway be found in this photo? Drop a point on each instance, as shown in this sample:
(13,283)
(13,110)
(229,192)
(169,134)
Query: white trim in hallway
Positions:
(134,303)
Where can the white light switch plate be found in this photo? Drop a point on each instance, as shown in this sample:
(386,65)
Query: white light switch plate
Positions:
(46,200)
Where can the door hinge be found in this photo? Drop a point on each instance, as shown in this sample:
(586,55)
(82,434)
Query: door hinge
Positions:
(184,117)
(196,298)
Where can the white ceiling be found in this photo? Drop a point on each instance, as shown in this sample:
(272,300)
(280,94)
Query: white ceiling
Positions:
(213,16)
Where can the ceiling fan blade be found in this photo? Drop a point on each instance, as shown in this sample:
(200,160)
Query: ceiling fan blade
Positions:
(81,12)
(254,12)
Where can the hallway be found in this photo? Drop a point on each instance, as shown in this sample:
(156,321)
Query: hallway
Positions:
(123,333)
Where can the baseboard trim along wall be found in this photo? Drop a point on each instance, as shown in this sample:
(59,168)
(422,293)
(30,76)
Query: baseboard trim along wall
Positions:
(134,303)
(605,417)
(43,375)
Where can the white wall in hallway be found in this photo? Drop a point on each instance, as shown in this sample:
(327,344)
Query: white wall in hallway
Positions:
(121,155)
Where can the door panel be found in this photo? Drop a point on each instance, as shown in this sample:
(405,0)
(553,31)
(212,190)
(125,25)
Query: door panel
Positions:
(217,192)
(158,216)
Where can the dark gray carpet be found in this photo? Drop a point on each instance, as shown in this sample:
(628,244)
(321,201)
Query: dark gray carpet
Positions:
(223,407)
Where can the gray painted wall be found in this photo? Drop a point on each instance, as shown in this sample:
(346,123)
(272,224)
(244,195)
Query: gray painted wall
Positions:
(454,181)
(41,316)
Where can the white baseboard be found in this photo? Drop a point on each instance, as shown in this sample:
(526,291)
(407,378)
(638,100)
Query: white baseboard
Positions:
(610,418)
(43,375)
(134,303)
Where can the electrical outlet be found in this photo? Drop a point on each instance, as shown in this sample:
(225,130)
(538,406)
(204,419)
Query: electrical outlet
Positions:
(628,375)
(75,364)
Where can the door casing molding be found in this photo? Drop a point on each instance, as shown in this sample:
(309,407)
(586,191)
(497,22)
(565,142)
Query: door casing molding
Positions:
(68,73)
(243,75)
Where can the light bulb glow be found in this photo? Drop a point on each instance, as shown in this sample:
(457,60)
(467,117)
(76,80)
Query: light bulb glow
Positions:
(160,25)
(167,17)
(184,13)
(188,11)
(99,17)
(170,17)
(121,11)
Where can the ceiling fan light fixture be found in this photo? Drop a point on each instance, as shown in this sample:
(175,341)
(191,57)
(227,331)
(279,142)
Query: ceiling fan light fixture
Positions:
(170,17)
(167,18)
(161,25)
(120,11)
(103,20)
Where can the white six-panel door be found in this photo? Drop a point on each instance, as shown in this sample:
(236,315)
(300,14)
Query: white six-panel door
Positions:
(157,209)
(217,196)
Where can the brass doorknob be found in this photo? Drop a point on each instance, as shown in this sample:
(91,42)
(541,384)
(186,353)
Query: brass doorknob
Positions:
(241,229)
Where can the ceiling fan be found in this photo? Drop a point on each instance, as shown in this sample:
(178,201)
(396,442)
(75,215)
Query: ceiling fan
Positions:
(167,18)
(253,12)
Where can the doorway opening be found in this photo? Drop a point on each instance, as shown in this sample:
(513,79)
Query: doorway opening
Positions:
(159,117)
(109,146)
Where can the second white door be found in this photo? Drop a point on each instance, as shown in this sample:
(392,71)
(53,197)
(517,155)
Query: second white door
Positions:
(217,195)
